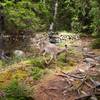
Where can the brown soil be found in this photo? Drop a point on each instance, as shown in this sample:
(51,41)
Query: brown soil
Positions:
(53,89)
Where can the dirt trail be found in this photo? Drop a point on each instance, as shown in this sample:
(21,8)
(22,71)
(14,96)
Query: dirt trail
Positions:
(53,88)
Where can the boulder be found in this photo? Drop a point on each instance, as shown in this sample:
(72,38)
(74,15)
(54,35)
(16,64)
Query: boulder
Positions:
(19,53)
(90,61)
(97,58)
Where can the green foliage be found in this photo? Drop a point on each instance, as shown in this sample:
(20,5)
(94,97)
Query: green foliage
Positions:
(95,13)
(44,14)
(38,62)
(37,73)
(15,91)
(76,15)
(73,15)
(19,16)
(96,44)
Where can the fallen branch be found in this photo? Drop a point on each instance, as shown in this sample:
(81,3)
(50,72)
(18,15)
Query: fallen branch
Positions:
(69,75)
(86,97)
(83,97)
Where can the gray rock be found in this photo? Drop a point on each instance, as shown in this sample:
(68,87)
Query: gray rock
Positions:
(89,60)
(97,58)
(19,53)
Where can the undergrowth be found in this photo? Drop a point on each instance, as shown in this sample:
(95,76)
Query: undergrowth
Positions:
(37,73)
(96,44)
(16,91)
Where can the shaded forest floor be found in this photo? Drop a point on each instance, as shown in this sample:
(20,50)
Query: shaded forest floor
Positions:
(51,86)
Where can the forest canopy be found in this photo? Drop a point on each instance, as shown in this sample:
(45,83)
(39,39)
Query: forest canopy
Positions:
(80,16)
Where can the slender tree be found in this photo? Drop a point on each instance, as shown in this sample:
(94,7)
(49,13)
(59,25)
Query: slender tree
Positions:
(51,28)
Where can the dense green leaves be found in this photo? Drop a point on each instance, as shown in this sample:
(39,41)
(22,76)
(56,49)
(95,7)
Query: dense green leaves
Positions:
(15,91)
(24,14)
(36,15)
(95,13)
(28,13)
(73,15)
(18,16)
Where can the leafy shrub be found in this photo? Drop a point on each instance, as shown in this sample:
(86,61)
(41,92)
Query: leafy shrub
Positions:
(37,73)
(15,91)
(76,26)
(19,15)
(38,62)
(95,14)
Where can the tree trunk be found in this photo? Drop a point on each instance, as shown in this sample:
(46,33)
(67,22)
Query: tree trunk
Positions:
(51,28)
